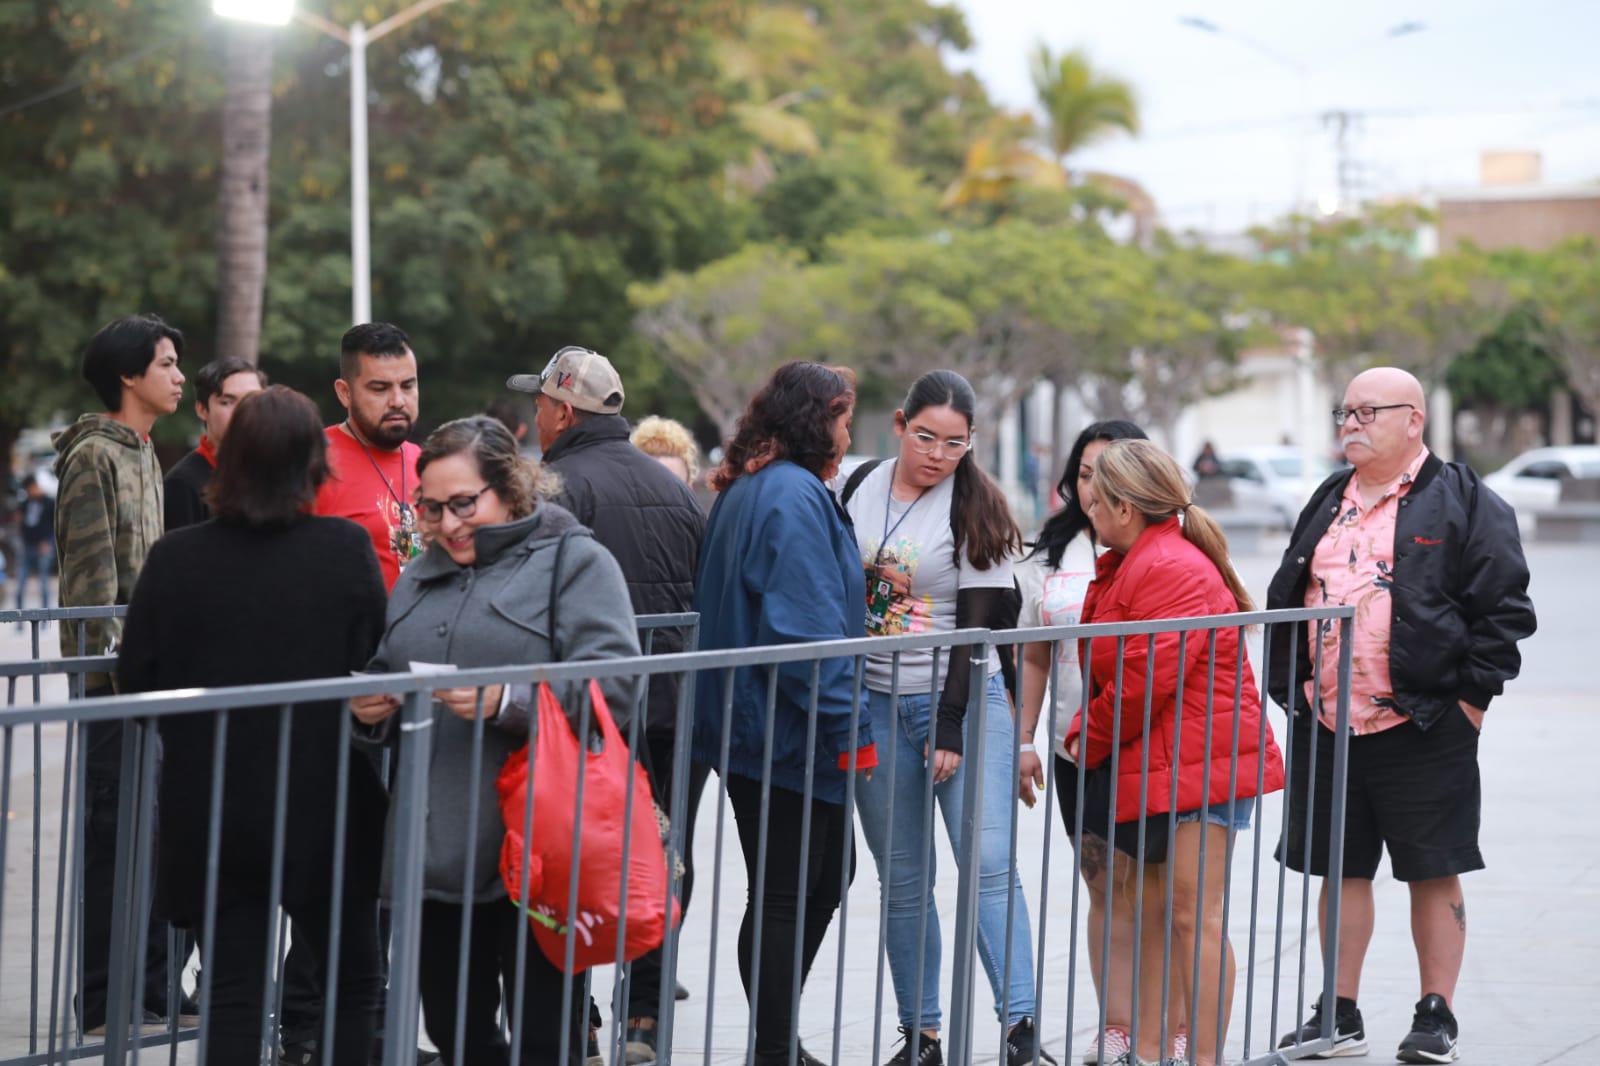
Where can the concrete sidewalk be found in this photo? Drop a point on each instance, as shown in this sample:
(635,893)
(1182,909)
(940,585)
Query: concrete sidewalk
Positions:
(1527,994)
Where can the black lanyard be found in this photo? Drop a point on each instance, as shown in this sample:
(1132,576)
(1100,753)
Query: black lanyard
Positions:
(888,501)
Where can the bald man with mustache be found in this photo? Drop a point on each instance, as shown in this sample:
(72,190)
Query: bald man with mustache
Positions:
(1430,559)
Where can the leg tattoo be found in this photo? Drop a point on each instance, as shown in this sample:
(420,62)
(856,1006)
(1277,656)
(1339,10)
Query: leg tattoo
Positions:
(1460,912)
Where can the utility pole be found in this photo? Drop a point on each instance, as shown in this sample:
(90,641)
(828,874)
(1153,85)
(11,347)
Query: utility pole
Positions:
(1344,124)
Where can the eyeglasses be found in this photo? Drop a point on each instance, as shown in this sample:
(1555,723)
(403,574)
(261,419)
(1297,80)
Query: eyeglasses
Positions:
(460,506)
(1365,415)
(924,443)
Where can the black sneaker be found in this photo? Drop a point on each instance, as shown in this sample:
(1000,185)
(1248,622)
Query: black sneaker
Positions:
(680,993)
(929,1051)
(1433,1033)
(1022,1042)
(1349,1037)
(781,1058)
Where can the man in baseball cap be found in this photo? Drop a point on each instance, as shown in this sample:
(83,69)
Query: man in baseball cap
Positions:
(652,524)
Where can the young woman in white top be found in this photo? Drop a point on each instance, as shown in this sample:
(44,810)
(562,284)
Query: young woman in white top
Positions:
(937,541)
(1053,579)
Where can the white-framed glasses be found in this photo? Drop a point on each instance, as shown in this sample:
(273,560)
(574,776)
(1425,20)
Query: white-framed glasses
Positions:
(925,443)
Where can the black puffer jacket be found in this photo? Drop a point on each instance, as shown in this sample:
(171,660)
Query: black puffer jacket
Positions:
(646,518)
(1460,596)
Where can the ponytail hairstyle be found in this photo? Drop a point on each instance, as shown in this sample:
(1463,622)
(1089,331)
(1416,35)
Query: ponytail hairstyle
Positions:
(981,521)
(1067,523)
(1138,473)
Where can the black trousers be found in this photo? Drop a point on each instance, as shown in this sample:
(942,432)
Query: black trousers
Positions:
(492,969)
(102,784)
(644,991)
(790,912)
(238,976)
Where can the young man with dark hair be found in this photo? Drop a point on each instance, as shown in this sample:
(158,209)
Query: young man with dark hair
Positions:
(372,466)
(218,388)
(108,514)
(38,521)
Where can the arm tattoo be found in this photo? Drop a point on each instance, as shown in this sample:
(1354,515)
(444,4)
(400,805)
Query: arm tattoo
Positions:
(1460,912)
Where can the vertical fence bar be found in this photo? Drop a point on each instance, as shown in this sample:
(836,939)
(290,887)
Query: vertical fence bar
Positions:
(679,845)
(915,1038)
(574,917)
(143,859)
(468,876)
(520,967)
(1139,847)
(892,728)
(341,830)
(275,921)
(620,970)
(805,861)
(1200,876)
(961,993)
(208,920)
(1313,726)
(724,743)
(1012,877)
(1086,668)
(1172,834)
(848,843)
(1255,858)
(410,800)
(63,851)
(119,1007)
(762,836)
(5,814)
(1336,815)
(1111,827)
(1293,705)
(38,851)
(1227,862)
(1049,765)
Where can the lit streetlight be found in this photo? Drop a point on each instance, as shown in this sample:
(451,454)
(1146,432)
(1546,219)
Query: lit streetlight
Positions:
(356,36)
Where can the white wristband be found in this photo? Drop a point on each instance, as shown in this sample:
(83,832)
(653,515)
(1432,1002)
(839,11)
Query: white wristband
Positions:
(1026,747)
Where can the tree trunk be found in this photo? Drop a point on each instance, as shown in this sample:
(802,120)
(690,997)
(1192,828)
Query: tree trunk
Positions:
(242,229)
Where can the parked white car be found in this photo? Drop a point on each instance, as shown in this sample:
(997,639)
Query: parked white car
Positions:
(1531,482)
(1272,480)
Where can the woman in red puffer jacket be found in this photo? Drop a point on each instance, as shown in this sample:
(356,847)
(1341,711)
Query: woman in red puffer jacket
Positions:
(1168,559)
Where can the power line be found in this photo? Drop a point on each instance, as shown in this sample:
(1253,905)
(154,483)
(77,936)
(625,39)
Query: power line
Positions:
(1375,114)
(79,83)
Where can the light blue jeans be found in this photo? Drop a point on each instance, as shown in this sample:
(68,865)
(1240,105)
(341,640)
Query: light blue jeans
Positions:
(901,849)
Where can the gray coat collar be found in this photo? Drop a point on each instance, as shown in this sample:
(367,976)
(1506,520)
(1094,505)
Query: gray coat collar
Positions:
(547,522)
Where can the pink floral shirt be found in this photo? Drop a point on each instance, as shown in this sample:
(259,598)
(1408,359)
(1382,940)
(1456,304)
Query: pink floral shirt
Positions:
(1354,566)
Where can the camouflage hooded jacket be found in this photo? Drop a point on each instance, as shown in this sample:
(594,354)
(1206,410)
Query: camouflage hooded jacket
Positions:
(108,514)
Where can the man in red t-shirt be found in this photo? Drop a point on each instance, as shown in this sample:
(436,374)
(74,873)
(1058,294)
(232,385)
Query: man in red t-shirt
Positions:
(372,469)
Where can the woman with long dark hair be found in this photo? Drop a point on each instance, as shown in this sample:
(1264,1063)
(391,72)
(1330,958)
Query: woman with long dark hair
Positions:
(1053,579)
(265,593)
(937,539)
(779,566)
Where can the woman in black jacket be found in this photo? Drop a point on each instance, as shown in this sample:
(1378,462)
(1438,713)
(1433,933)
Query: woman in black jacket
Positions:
(264,593)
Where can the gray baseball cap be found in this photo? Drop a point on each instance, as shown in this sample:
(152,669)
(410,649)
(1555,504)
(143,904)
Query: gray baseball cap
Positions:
(578,376)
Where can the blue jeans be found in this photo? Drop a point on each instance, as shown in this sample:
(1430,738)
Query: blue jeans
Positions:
(34,562)
(901,849)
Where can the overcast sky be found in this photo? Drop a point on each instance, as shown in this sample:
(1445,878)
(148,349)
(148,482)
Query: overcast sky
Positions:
(1230,134)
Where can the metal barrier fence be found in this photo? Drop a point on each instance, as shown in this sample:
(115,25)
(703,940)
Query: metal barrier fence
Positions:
(855,1025)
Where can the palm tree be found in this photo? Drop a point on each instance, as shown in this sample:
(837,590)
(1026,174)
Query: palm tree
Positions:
(1083,105)
(242,203)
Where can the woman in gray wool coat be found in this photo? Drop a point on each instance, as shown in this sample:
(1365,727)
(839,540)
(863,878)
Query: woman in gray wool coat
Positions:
(480,596)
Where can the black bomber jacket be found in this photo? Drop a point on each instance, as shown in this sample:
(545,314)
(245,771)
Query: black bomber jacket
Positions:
(1459,599)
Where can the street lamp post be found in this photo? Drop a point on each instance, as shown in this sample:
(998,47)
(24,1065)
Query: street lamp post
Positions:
(356,37)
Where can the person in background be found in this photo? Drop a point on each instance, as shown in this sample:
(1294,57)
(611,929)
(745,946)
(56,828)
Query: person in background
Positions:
(218,388)
(481,595)
(37,540)
(309,589)
(652,524)
(1054,578)
(108,515)
(936,539)
(1206,464)
(1430,558)
(780,565)
(508,413)
(1166,558)
(671,444)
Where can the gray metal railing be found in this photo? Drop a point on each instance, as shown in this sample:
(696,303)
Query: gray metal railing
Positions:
(1269,902)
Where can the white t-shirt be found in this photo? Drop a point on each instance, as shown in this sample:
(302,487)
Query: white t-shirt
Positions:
(1055,598)
(921,548)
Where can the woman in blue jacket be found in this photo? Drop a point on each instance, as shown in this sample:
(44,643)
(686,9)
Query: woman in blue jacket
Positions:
(779,566)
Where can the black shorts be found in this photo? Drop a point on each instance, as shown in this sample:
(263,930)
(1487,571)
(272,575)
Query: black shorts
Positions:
(1097,813)
(1413,791)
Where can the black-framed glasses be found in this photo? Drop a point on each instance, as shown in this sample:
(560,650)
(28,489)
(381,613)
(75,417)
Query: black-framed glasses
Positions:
(460,506)
(925,443)
(1365,415)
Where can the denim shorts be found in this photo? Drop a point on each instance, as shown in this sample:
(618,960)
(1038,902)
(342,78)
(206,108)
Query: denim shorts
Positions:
(1217,814)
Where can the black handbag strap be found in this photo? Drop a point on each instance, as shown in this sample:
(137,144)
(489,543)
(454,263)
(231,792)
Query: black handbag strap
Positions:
(555,587)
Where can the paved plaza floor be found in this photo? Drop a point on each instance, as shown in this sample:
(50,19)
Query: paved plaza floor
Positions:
(1528,994)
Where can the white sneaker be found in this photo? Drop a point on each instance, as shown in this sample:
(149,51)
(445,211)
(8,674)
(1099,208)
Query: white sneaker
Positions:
(1180,1047)
(1116,1044)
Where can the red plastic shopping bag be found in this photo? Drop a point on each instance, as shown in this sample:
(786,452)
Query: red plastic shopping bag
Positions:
(609,775)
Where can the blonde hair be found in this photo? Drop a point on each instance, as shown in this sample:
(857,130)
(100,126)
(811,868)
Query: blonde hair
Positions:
(665,438)
(1138,473)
